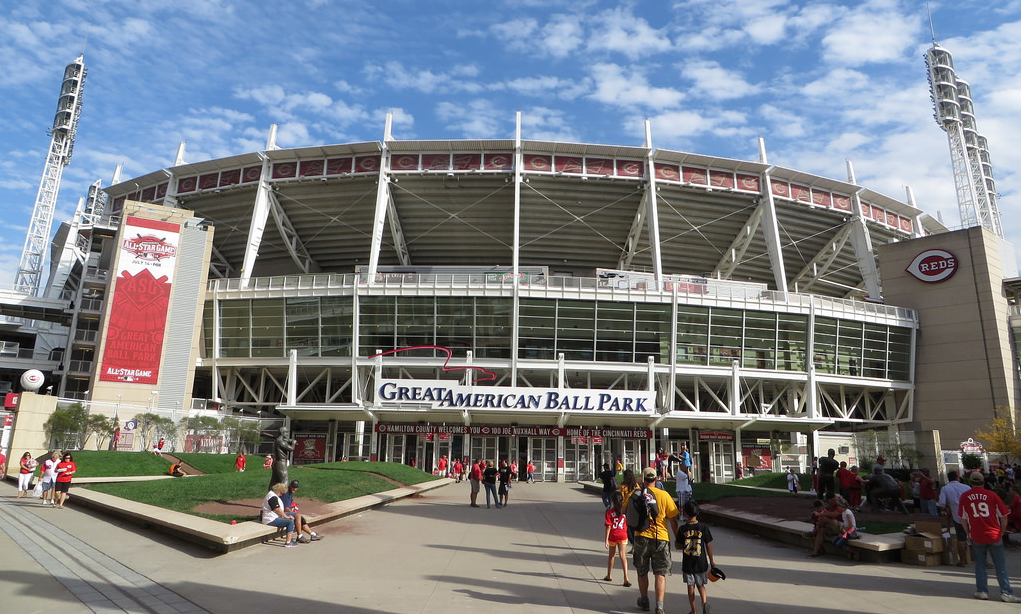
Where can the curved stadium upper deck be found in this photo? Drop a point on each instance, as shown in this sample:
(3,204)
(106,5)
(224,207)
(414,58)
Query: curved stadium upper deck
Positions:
(746,246)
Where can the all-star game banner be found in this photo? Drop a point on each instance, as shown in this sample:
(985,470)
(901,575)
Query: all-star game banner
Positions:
(141,297)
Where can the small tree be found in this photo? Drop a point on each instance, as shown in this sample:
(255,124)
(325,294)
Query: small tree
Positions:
(99,427)
(166,429)
(146,427)
(66,427)
(971,462)
(241,434)
(1001,435)
(200,426)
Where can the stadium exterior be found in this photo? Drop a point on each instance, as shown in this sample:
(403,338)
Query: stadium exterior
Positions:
(561,302)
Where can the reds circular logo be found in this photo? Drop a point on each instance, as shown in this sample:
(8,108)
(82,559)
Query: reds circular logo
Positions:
(933,266)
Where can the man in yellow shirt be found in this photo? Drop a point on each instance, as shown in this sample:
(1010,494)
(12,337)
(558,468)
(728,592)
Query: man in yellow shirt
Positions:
(652,546)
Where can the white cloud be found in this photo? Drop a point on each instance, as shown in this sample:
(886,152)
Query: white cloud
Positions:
(837,84)
(873,32)
(478,119)
(620,31)
(628,87)
(715,81)
(564,89)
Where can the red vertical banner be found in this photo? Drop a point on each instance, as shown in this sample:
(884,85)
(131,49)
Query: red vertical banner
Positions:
(141,298)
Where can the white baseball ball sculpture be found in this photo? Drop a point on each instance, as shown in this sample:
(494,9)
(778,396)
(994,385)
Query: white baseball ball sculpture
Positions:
(32,380)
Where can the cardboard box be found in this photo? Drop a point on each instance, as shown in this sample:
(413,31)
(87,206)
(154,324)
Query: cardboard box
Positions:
(928,538)
(924,559)
(923,544)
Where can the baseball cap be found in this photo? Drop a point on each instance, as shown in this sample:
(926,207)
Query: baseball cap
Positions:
(881,460)
(977,478)
(294,483)
(649,473)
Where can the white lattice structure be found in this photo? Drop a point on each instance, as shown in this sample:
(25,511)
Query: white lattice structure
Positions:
(969,150)
(65,123)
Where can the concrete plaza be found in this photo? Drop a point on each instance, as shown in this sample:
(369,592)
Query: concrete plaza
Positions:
(431,554)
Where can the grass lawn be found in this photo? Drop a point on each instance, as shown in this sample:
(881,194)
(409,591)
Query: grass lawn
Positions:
(327,483)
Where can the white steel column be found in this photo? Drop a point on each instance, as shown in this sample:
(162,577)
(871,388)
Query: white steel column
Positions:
(771,233)
(382,200)
(260,214)
(516,248)
(651,211)
(862,242)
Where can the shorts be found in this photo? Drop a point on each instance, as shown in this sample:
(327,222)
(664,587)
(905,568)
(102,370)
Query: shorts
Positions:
(61,486)
(696,579)
(475,486)
(615,544)
(962,535)
(47,485)
(654,553)
(502,490)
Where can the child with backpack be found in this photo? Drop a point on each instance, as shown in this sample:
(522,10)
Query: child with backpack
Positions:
(695,540)
(616,536)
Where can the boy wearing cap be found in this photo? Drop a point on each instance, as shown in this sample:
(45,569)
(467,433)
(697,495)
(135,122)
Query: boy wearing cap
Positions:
(695,540)
(652,546)
(305,534)
(984,517)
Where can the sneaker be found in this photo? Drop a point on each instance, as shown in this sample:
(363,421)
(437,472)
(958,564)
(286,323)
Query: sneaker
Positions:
(981,595)
(304,539)
(1010,598)
(316,537)
(660,611)
(290,545)
(643,604)
(705,608)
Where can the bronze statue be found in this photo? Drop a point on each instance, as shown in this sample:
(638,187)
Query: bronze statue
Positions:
(283,447)
(884,486)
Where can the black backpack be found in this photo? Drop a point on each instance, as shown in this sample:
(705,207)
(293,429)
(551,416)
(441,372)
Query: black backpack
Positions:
(642,510)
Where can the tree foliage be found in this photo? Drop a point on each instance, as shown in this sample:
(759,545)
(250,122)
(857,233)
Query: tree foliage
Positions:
(1001,435)
(241,434)
(100,427)
(66,427)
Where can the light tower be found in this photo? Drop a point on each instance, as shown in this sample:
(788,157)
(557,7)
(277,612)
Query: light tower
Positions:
(65,123)
(969,150)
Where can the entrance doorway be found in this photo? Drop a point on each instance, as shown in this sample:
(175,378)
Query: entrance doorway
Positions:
(716,461)
(485,448)
(542,451)
(395,448)
(577,461)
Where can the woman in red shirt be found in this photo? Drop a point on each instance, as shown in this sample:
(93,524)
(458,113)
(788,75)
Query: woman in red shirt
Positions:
(26,471)
(65,469)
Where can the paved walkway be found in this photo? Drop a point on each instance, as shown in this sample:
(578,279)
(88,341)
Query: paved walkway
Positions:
(430,554)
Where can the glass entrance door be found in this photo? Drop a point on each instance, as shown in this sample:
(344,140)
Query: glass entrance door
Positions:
(542,451)
(485,448)
(577,461)
(723,461)
(631,454)
(394,448)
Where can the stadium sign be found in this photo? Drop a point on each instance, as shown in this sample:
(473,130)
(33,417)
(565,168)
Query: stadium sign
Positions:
(449,394)
(933,266)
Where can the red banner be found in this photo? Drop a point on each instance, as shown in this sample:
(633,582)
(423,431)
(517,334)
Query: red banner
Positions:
(309,448)
(757,458)
(141,299)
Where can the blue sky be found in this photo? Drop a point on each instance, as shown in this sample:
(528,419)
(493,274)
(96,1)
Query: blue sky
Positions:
(820,81)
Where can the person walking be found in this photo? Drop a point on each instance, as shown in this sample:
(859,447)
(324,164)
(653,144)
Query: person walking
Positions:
(49,471)
(65,469)
(652,546)
(609,479)
(949,498)
(792,481)
(695,541)
(984,517)
(26,470)
(615,540)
